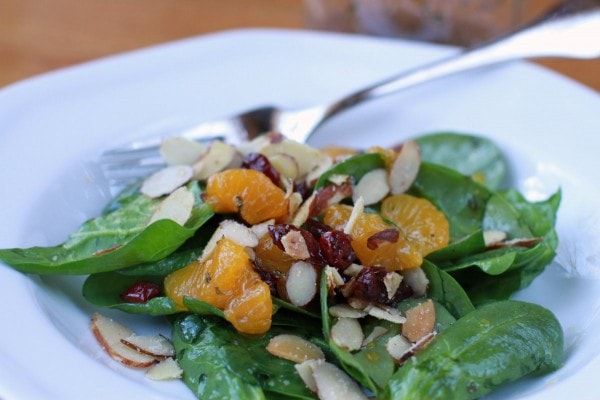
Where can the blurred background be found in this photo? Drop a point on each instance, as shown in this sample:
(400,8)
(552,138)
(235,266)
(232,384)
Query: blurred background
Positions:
(42,35)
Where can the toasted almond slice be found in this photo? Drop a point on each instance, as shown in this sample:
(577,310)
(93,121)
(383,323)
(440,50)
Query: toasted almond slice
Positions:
(177,207)
(518,242)
(375,334)
(109,334)
(294,348)
(493,237)
(256,144)
(358,303)
(324,164)
(294,203)
(285,164)
(385,313)
(153,345)
(301,283)
(420,321)
(307,158)
(417,280)
(239,233)
(262,229)
(294,245)
(357,211)
(347,333)
(211,244)
(333,384)
(334,279)
(303,212)
(372,187)
(405,167)
(346,311)
(165,370)
(338,179)
(305,370)
(166,180)
(392,281)
(398,346)
(353,269)
(218,157)
(177,150)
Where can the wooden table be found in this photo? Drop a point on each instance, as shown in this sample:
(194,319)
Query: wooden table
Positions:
(42,35)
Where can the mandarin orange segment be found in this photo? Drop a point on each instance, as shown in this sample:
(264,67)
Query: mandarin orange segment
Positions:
(397,255)
(226,280)
(271,258)
(419,220)
(247,192)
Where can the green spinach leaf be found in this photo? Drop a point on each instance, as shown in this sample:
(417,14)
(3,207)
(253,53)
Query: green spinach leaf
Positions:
(496,343)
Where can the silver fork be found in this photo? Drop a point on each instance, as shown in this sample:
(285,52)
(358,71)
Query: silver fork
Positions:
(572,30)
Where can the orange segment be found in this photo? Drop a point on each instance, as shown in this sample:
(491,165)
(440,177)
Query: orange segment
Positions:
(226,280)
(397,255)
(247,191)
(419,220)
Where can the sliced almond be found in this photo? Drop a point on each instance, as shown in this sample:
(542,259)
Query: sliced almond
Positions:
(109,334)
(492,237)
(301,283)
(385,313)
(305,370)
(167,369)
(358,303)
(518,242)
(307,158)
(375,334)
(239,233)
(211,244)
(166,180)
(392,281)
(334,279)
(334,384)
(177,207)
(420,321)
(324,164)
(177,150)
(258,143)
(353,269)
(405,167)
(285,164)
(294,348)
(262,229)
(347,333)
(357,211)
(398,346)
(303,212)
(417,280)
(338,179)
(153,345)
(346,311)
(294,203)
(372,187)
(294,245)
(217,157)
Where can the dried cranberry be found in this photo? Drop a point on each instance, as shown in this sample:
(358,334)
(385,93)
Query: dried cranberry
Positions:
(386,236)
(261,163)
(277,232)
(303,188)
(337,249)
(369,285)
(316,227)
(328,195)
(141,292)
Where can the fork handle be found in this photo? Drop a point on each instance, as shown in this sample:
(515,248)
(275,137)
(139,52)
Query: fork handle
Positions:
(571,30)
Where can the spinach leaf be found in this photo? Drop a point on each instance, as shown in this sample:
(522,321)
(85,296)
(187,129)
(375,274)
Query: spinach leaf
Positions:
(496,274)
(446,291)
(470,155)
(496,343)
(355,166)
(460,198)
(116,240)
(104,290)
(220,363)
(470,244)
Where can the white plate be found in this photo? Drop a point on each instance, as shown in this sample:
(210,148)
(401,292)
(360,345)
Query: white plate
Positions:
(53,125)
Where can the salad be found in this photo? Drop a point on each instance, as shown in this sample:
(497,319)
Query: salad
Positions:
(293,272)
